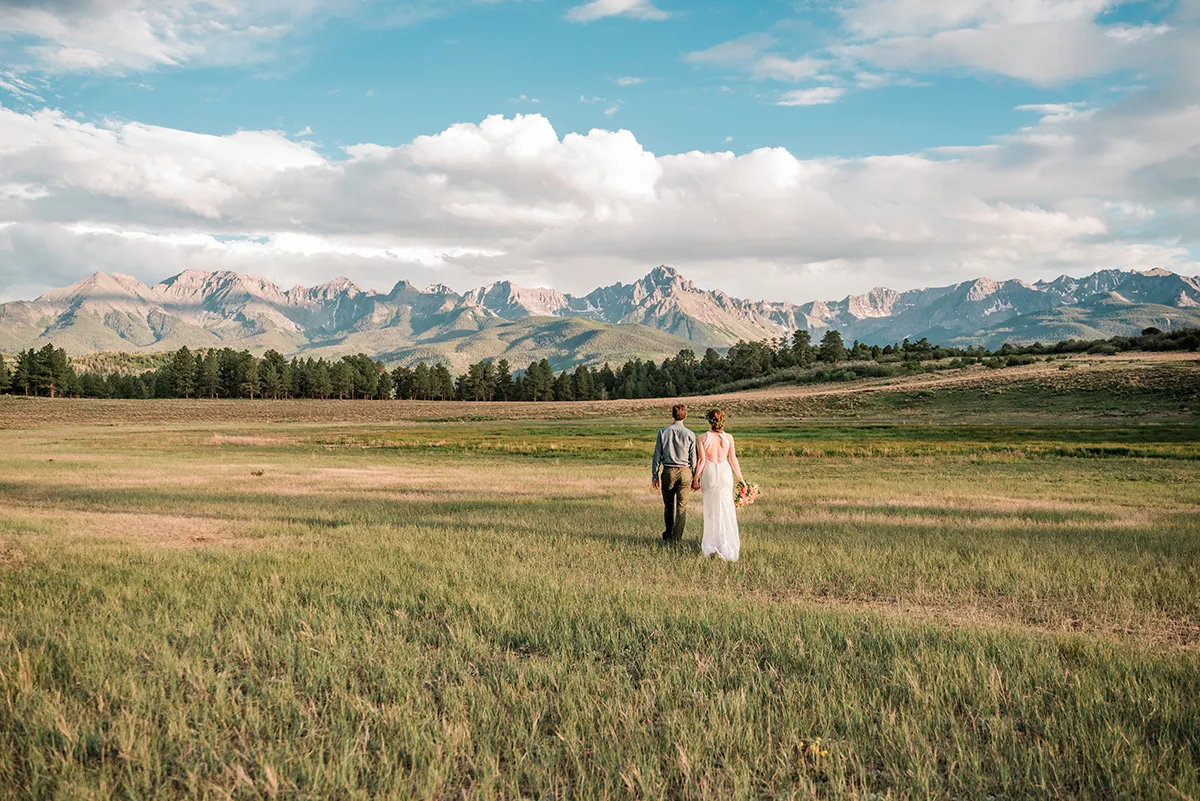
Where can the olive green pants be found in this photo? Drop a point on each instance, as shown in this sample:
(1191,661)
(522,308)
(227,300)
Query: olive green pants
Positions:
(676,485)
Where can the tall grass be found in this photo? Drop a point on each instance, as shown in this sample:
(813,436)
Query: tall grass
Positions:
(389,611)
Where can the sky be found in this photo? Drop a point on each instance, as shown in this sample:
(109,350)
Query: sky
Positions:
(775,150)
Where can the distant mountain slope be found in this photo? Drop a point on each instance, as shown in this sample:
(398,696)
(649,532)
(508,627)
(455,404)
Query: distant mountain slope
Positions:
(1106,318)
(564,341)
(650,318)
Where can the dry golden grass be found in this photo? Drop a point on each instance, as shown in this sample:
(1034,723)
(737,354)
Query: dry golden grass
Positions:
(238,608)
(171,531)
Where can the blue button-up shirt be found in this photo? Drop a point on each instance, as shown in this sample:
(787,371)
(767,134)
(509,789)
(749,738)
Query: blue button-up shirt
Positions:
(675,447)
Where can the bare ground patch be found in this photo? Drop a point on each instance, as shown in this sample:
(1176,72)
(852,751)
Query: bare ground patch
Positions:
(170,531)
(11,556)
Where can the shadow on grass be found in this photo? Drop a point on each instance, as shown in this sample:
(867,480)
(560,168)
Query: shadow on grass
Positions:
(613,520)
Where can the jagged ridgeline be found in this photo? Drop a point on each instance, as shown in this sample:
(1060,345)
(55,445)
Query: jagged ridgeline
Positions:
(228,373)
(651,319)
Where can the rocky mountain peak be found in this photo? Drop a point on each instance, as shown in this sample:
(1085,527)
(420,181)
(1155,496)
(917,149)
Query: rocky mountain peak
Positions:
(224,293)
(511,301)
(665,277)
(662,274)
(99,287)
(336,287)
(981,288)
(879,302)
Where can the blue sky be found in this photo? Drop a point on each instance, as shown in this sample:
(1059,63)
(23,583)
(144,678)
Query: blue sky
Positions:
(356,78)
(863,95)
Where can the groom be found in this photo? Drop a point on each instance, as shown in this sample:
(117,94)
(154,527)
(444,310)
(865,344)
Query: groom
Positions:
(675,455)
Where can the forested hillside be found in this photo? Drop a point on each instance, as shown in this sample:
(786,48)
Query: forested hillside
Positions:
(226,373)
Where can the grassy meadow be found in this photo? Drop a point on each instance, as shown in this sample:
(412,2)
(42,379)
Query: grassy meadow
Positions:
(984,585)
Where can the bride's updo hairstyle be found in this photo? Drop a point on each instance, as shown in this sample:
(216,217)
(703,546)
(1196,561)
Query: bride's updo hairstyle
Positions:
(716,419)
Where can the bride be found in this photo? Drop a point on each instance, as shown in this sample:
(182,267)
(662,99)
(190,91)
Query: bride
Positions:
(718,463)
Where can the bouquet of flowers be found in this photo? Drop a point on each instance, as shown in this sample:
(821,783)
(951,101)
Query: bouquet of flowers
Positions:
(744,494)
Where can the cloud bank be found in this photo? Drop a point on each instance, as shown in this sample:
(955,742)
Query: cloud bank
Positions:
(1077,190)
(122,36)
(1044,43)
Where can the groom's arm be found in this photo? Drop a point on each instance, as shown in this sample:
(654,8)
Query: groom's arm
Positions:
(656,462)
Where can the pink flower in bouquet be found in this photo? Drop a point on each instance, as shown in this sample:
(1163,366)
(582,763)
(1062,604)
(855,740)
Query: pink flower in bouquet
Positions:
(744,494)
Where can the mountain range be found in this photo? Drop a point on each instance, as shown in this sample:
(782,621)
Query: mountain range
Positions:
(653,317)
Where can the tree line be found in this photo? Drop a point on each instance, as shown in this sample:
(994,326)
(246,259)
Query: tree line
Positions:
(228,373)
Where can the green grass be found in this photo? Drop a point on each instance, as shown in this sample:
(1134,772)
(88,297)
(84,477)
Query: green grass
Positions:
(482,610)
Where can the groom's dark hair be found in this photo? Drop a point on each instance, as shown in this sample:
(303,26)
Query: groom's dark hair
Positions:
(679,411)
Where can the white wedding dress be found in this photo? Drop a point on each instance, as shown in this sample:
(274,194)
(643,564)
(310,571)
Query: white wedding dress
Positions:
(720,515)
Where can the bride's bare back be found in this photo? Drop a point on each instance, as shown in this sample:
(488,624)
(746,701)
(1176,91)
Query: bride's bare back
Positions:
(716,447)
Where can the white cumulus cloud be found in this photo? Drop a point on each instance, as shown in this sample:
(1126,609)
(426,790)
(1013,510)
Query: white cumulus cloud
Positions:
(599,9)
(817,96)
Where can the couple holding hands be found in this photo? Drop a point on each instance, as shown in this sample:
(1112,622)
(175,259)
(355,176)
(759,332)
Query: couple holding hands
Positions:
(682,465)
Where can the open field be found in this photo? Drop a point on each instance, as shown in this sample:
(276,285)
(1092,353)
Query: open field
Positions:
(966,585)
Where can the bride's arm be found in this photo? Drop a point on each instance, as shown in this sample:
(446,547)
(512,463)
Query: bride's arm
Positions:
(733,460)
(701,462)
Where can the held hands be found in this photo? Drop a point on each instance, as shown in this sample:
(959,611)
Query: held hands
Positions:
(695,485)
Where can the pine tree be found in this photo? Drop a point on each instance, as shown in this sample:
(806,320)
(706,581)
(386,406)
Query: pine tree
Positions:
(385,389)
(208,375)
(832,349)
(802,349)
(402,382)
(564,387)
(487,389)
(92,385)
(293,378)
(3,375)
(270,382)
(607,380)
(342,378)
(248,374)
(182,373)
(322,380)
(272,374)
(443,382)
(65,378)
(541,376)
(504,381)
(584,385)
(41,376)
(422,385)
(479,383)
(364,375)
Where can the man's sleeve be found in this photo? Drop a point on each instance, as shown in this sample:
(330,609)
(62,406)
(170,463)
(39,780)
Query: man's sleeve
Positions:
(692,456)
(657,460)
